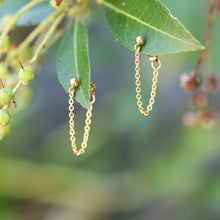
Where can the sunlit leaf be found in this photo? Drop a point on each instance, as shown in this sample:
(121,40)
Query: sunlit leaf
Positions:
(163,33)
(73,62)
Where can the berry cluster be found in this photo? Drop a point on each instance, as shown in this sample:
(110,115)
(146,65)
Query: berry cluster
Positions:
(7,96)
(7,74)
(203,117)
(11,54)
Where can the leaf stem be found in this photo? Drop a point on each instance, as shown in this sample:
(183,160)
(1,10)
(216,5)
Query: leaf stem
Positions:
(208,35)
(17,86)
(16,17)
(47,37)
(32,36)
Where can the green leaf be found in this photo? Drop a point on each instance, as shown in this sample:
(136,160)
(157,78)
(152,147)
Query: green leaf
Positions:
(163,33)
(73,62)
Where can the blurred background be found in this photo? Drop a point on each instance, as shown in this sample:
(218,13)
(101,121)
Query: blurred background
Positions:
(135,167)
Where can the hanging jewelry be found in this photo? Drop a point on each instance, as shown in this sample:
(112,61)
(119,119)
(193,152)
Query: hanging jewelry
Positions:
(154,59)
(73,85)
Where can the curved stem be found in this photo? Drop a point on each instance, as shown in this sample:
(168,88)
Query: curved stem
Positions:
(17,86)
(32,36)
(16,17)
(47,37)
(208,36)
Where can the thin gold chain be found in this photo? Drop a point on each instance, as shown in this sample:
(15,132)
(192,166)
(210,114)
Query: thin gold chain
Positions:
(138,82)
(72,122)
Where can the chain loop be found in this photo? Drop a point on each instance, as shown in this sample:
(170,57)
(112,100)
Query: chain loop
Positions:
(72,123)
(138,82)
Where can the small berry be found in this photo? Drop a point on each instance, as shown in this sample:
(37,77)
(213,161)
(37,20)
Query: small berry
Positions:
(199,99)
(208,119)
(191,120)
(26,74)
(4,132)
(3,70)
(5,118)
(6,96)
(6,45)
(7,20)
(58,3)
(213,84)
(190,83)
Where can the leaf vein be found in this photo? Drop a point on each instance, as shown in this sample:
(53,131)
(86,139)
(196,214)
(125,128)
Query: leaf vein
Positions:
(142,22)
(76,58)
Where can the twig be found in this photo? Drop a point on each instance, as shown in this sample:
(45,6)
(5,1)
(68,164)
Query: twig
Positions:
(218,5)
(44,42)
(17,86)
(16,17)
(48,36)
(32,36)
(208,35)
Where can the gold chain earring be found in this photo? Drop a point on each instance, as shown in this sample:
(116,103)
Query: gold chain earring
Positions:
(73,85)
(154,59)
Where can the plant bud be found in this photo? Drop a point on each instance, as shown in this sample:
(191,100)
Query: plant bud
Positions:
(58,3)
(5,118)
(191,119)
(213,84)
(6,96)
(199,99)
(190,83)
(208,119)
(26,74)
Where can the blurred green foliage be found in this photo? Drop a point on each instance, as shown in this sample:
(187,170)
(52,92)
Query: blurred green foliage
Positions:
(134,168)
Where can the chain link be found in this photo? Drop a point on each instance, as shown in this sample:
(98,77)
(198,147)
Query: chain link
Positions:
(138,82)
(72,122)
